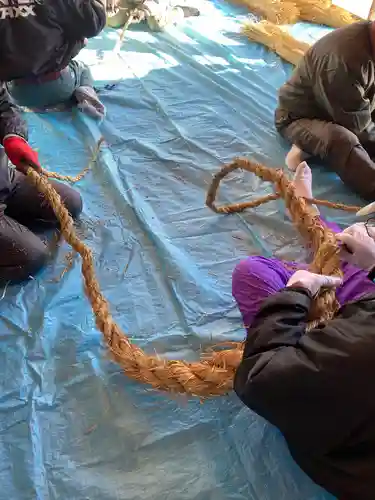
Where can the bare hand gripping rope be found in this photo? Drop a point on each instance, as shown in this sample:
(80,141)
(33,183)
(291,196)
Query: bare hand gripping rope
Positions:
(213,374)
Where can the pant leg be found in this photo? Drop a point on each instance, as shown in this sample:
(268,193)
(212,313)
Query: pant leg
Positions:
(254,280)
(339,148)
(82,74)
(42,95)
(29,207)
(22,253)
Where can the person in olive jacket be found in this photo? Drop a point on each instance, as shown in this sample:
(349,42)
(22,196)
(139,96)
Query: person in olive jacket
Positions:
(327,108)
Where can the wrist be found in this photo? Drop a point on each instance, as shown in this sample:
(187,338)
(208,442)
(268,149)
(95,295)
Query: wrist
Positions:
(11,137)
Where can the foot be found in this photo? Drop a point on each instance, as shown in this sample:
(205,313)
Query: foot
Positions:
(89,102)
(295,157)
(302,182)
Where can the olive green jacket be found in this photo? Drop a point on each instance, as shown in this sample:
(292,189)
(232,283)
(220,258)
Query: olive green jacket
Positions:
(335,81)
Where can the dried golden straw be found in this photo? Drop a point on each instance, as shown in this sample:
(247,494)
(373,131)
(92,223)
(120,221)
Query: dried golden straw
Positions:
(275,11)
(292,11)
(322,4)
(213,374)
(333,16)
(276,39)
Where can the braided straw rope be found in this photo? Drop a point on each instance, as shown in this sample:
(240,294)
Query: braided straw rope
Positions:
(213,374)
(81,175)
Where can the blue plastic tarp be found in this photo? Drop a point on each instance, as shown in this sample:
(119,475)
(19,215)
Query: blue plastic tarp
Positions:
(72,425)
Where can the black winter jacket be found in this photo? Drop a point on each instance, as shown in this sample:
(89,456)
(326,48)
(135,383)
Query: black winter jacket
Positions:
(38,37)
(317,388)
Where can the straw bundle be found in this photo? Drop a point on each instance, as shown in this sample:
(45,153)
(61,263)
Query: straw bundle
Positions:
(290,12)
(322,4)
(275,11)
(276,39)
(318,12)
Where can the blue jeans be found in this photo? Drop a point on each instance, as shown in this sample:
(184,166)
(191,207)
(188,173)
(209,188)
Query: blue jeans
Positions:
(53,92)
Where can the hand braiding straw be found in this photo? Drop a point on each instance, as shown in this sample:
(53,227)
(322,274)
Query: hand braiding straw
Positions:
(321,239)
(213,374)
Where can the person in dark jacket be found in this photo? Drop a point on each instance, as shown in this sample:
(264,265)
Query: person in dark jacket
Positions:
(38,39)
(52,77)
(314,386)
(327,108)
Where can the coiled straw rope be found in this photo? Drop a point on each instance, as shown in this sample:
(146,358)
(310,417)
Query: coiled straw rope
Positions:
(213,374)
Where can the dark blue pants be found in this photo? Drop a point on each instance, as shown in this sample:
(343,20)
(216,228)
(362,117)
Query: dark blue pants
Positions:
(54,92)
(24,210)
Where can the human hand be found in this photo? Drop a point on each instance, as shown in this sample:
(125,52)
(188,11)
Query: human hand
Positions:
(358,246)
(313,282)
(21,154)
(367,210)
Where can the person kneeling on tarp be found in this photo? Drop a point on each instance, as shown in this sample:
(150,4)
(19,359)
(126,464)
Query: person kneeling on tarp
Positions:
(38,47)
(327,107)
(22,207)
(315,386)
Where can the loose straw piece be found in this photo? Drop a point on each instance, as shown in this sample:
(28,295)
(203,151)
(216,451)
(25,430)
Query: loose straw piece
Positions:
(81,175)
(277,39)
(121,38)
(213,374)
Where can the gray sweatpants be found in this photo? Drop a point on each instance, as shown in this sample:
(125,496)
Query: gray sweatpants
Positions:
(345,153)
(54,92)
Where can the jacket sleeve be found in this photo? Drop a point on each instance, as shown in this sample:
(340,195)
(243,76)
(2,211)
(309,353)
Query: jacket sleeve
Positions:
(87,18)
(343,93)
(304,383)
(11,121)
